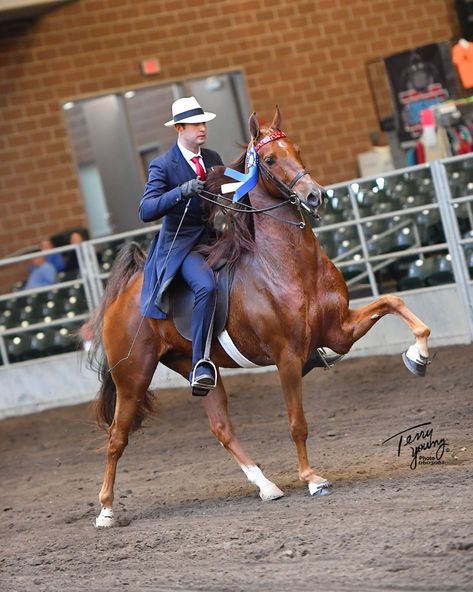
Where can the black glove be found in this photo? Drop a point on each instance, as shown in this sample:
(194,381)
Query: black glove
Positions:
(191,187)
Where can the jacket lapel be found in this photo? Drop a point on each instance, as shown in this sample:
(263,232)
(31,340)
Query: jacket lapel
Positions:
(185,171)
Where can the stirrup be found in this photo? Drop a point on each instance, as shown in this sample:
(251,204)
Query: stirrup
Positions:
(328,360)
(199,385)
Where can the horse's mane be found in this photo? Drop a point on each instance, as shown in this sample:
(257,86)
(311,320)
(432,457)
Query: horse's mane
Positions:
(233,232)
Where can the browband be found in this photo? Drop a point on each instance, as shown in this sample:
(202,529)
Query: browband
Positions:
(270,138)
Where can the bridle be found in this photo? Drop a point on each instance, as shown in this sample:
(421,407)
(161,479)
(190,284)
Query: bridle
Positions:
(285,188)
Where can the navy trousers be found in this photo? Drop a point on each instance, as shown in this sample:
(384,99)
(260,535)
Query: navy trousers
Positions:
(201,279)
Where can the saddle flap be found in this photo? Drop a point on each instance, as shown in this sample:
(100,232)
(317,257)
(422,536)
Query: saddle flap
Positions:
(181,299)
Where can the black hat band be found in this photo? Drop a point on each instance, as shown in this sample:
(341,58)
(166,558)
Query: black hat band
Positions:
(186,114)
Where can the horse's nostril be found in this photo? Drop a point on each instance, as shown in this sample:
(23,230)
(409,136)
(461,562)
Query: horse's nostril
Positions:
(314,198)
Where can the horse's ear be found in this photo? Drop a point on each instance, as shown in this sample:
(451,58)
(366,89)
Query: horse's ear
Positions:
(277,120)
(254,126)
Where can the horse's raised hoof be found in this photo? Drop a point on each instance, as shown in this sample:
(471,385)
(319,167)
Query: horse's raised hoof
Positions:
(105,519)
(417,367)
(321,488)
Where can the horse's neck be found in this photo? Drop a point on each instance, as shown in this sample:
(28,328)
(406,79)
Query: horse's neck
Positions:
(279,239)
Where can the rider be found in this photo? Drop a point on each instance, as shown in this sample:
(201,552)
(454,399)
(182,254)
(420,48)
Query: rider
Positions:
(171,193)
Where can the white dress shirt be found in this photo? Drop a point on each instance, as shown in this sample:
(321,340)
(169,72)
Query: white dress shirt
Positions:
(187,154)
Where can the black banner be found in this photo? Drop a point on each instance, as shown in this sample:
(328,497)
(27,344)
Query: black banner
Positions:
(419,78)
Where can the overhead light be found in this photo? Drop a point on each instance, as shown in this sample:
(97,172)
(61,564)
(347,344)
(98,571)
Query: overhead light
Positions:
(68,105)
(130,94)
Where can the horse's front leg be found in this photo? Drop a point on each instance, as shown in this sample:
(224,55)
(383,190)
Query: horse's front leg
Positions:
(290,373)
(358,322)
(216,406)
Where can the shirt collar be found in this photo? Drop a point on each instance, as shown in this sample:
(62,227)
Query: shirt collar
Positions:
(187,154)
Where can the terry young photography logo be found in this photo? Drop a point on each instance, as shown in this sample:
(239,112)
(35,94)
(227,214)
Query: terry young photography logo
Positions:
(419,439)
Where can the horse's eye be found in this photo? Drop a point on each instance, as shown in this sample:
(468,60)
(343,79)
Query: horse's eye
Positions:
(269,161)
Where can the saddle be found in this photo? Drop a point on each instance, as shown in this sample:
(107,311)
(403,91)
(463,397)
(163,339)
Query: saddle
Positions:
(181,298)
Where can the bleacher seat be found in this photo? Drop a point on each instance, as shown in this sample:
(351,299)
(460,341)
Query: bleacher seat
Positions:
(441,271)
(429,226)
(327,243)
(404,238)
(346,233)
(353,269)
(415,276)
(56,303)
(374,227)
(10,317)
(65,339)
(463,217)
(338,205)
(75,305)
(18,347)
(383,207)
(30,315)
(42,342)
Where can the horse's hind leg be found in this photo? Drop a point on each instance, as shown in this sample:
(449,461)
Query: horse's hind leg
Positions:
(132,378)
(359,321)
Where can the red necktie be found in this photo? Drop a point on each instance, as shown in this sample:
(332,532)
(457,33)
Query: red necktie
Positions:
(199,168)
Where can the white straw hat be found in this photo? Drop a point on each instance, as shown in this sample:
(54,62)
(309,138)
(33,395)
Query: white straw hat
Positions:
(188,110)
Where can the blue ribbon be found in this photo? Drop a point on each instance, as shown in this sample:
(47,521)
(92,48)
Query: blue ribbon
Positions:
(250,179)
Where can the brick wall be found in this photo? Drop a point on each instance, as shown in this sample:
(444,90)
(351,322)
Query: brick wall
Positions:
(306,55)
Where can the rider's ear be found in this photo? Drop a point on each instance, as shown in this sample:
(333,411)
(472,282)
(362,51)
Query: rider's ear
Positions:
(277,120)
(254,126)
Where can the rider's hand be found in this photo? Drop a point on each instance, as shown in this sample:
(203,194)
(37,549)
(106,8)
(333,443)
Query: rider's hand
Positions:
(191,187)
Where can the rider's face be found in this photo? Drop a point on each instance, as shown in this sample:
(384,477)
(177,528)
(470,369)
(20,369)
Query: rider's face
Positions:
(192,135)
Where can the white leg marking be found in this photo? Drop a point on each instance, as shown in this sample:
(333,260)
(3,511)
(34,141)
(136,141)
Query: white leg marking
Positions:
(105,519)
(414,354)
(267,489)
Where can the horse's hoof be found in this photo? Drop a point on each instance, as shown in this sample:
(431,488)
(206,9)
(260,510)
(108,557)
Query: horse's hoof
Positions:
(417,368)
(271,493)
(105,519)
(321,488)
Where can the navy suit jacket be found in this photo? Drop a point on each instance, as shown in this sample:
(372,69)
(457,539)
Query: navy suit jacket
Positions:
(162,199)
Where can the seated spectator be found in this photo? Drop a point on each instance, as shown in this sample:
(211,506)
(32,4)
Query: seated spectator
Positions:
(42,273)
(55,259)
(70,257)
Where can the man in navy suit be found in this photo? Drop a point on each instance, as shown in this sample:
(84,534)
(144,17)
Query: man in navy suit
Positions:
(171,193)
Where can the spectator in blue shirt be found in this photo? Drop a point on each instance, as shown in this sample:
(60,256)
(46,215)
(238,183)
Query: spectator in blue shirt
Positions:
(42,273)
(55,259)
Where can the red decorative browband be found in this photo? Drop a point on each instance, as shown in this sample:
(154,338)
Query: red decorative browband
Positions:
(270,138)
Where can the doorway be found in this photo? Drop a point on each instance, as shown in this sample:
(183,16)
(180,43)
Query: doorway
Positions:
(116,136)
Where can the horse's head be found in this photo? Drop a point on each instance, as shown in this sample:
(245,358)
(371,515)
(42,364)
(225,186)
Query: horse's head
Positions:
(281,167)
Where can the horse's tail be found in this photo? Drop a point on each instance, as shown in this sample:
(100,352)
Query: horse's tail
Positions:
(129,261)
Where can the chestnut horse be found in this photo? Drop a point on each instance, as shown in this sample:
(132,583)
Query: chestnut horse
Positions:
(287,300)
